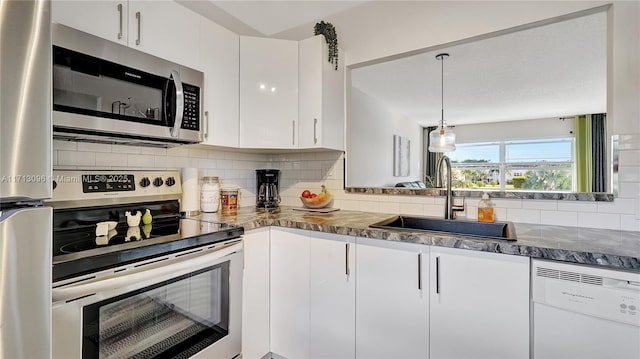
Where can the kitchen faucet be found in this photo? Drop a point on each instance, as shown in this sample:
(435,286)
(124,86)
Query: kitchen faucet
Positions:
(449,208)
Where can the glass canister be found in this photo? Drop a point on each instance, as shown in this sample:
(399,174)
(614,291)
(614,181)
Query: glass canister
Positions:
(209,194)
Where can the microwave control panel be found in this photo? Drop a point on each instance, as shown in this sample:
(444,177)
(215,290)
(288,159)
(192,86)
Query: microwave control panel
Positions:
(191,117)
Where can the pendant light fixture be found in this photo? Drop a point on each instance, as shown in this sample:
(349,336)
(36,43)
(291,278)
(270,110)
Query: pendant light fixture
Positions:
(442,139)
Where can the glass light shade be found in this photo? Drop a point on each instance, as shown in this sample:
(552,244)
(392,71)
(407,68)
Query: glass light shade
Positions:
(442,140)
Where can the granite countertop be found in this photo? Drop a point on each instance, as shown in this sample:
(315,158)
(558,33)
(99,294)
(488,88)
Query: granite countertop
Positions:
(608,248)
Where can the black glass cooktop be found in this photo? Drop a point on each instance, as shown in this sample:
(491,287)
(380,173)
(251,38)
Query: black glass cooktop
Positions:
(77,250)
(72,241)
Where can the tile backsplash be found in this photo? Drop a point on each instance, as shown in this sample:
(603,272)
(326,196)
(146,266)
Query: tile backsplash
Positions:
(310,170)
(235,169)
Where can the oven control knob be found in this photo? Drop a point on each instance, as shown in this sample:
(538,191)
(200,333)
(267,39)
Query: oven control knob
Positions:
(158,181)
(171,181)
(144,182)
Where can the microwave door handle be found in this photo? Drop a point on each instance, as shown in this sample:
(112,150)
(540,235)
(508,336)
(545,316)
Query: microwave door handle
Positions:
(177,123)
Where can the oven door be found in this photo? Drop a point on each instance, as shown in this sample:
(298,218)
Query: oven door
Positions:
(186,304)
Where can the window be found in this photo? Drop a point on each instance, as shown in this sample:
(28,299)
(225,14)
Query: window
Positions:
(531,165)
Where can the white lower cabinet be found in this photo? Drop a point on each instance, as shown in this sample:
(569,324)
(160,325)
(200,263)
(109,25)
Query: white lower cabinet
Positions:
(255,294)
(318,295)
(392,299)
(479,304)
(332,296)
(289,319)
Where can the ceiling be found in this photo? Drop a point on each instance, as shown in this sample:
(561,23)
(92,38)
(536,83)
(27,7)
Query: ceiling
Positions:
(272,17)
(554,70)
(289,19)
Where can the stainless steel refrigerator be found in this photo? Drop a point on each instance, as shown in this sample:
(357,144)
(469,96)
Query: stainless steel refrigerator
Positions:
(25,179)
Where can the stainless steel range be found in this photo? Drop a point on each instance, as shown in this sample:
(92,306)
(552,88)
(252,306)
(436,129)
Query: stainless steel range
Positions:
(132,278)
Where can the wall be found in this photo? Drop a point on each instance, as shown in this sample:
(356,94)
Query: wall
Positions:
(373,123)
(515,130)
(235,169)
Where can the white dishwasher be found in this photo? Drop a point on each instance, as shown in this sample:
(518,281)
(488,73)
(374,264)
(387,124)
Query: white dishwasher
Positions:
(585,312)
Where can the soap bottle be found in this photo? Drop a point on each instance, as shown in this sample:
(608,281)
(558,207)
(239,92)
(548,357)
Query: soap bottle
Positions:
(485,209)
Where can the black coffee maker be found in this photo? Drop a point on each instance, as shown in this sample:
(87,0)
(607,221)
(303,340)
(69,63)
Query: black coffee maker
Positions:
(267,189)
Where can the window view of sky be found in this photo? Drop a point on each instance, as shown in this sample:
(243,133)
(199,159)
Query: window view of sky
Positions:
(555,150)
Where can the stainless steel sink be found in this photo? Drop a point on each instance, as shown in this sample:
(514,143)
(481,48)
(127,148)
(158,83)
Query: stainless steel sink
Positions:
(496,230)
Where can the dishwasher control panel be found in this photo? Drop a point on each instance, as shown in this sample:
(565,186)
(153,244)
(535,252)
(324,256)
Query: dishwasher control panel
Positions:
(603,293)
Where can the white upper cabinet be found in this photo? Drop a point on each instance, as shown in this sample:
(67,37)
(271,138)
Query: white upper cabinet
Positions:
(219,59)
(479,304)
(321,99)
(106,19)
(392,299)
(268,93)
(165,29)
(160,28)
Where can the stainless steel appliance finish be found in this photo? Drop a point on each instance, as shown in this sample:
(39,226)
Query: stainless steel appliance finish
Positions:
(25,282)
(176,289)
(74,189)
(25,172)
(25,104)
(123,104)
(168,288)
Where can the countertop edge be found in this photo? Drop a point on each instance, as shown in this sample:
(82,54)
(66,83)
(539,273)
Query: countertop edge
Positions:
(611,261)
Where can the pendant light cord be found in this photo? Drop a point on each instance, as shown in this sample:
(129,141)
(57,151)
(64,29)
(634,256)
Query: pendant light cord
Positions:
(442,92)
(441,57)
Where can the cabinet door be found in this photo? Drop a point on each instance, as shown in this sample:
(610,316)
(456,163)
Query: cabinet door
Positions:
(392,300)
(106,19)
(165,29)
(479,304)
(268,93)
(219,58)
(332,296)
(289,321)
(321,98)
(255,294)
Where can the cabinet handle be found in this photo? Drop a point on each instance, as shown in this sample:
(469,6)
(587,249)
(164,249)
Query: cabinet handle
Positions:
(293,132)
(346,256)
(120,11)
(206,124)
(438,275)
(315,125)
(138,17)
(419,271)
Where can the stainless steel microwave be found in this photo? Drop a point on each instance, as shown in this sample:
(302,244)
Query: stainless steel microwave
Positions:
(106,92)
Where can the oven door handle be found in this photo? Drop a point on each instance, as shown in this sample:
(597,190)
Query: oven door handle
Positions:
(177,123)
(165,271)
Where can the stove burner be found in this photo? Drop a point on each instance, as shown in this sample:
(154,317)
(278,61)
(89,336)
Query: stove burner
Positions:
(85,239)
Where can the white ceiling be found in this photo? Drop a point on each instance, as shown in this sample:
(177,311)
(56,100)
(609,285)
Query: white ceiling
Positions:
(272,17)
(554,70)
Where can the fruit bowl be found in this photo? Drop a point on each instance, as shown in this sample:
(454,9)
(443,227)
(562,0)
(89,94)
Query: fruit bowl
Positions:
(321,201)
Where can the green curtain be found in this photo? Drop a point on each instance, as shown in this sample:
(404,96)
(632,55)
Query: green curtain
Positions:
(584,160)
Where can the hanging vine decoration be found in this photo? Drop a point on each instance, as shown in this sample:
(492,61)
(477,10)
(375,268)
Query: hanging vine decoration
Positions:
(329,32)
